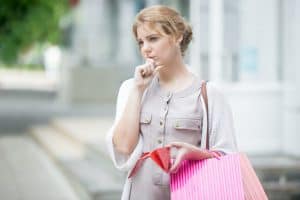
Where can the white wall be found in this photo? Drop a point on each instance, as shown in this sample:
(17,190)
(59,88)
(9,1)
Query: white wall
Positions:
(257,112)
(259,40)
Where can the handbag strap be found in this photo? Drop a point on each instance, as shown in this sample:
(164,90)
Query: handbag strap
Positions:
(205,98)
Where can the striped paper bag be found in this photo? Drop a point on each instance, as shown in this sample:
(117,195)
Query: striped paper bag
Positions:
(230,177)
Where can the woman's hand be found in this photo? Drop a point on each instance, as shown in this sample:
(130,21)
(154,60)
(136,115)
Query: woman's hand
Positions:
(144,74)
(181,151)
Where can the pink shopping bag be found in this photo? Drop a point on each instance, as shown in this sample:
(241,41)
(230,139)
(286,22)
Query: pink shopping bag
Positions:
(229,177)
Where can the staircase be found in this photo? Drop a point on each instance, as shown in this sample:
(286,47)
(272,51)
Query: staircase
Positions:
(77,146)
(28,174)
(280,175)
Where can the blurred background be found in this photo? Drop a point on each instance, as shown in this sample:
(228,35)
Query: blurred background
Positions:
(62,62)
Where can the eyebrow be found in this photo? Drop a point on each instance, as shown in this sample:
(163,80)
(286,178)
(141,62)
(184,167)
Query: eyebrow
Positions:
(148,36)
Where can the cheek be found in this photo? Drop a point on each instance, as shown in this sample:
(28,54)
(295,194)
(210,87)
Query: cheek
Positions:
(169,52)
(165,50)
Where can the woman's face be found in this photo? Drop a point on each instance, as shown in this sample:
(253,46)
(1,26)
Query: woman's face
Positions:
(153,45)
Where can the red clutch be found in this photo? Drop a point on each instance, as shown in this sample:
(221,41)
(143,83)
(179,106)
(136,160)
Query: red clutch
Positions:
(161,156)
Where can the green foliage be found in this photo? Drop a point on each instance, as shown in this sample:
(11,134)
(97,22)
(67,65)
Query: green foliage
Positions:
(26,22)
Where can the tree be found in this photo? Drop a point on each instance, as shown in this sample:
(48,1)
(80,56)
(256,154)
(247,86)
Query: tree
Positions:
(26,22)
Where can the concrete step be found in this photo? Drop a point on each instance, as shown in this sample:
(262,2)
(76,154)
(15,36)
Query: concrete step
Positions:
(23,108)
(89,175)
(17,114)
(27,94)
(89,132)
(279,174)
(56,144)
(27,173)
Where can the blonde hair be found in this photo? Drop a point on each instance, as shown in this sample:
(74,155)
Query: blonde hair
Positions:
(167,21)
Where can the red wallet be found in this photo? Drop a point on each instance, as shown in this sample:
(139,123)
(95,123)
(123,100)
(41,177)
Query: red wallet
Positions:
(161,156)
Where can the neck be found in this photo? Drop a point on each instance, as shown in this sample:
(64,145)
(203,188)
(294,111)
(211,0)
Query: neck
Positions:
(175,76)
(173,71)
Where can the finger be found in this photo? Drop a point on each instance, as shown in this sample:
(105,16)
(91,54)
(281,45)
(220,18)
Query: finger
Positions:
(145,71)
(152,67)
(215,154)
(159,67)
(142,72)
(175,166)
(177,163)
(176,144)
(149,60)
(173,152)
(149,67)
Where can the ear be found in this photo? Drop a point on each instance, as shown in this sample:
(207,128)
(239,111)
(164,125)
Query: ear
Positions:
(179,39)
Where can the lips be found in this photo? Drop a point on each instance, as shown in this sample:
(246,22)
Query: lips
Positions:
(151,57)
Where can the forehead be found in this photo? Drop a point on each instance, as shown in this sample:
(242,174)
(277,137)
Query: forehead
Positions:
(144,30)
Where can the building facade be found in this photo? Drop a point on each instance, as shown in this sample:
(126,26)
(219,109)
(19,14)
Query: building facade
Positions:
(250,48)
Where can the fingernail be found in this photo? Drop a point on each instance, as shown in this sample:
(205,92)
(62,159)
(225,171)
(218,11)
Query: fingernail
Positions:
(215,155)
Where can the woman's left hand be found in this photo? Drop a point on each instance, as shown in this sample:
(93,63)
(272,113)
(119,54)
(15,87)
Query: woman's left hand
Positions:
(181,151)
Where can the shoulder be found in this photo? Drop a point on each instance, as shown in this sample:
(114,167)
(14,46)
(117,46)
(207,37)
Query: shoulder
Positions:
(127,84)
(214,93)
(125,87)
(213,89)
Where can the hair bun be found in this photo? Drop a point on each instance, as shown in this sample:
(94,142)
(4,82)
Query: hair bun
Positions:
(167,21)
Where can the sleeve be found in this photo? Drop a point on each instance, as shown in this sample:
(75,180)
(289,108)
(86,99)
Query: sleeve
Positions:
(121,161)
(221,128)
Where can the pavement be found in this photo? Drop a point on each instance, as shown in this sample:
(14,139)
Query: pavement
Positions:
(27,174)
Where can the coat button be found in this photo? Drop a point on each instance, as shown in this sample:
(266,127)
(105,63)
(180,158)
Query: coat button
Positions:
(161,123)
(159,141)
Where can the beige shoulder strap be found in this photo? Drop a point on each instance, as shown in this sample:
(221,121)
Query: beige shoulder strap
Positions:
(204,94)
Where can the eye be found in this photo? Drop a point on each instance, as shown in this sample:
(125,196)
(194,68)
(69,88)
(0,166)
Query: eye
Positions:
(153,39)
(140,43)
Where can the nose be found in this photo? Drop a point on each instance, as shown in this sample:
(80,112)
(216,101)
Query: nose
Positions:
(146,48)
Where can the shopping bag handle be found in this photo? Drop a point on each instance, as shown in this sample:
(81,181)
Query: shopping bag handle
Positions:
(205,98)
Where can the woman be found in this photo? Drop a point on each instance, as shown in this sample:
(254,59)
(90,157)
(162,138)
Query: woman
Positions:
(162,106)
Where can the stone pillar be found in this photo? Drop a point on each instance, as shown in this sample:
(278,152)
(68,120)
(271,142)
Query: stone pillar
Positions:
(152,2)
(92,39)
(216,15)
(127,54)
(174,4)
(195,50)
(291,63)
(89,68)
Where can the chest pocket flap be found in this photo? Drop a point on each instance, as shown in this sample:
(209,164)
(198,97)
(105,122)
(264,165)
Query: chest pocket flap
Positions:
(187,124)
(145,118)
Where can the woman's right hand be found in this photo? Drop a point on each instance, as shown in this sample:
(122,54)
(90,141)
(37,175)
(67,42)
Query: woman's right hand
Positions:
(144,74)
